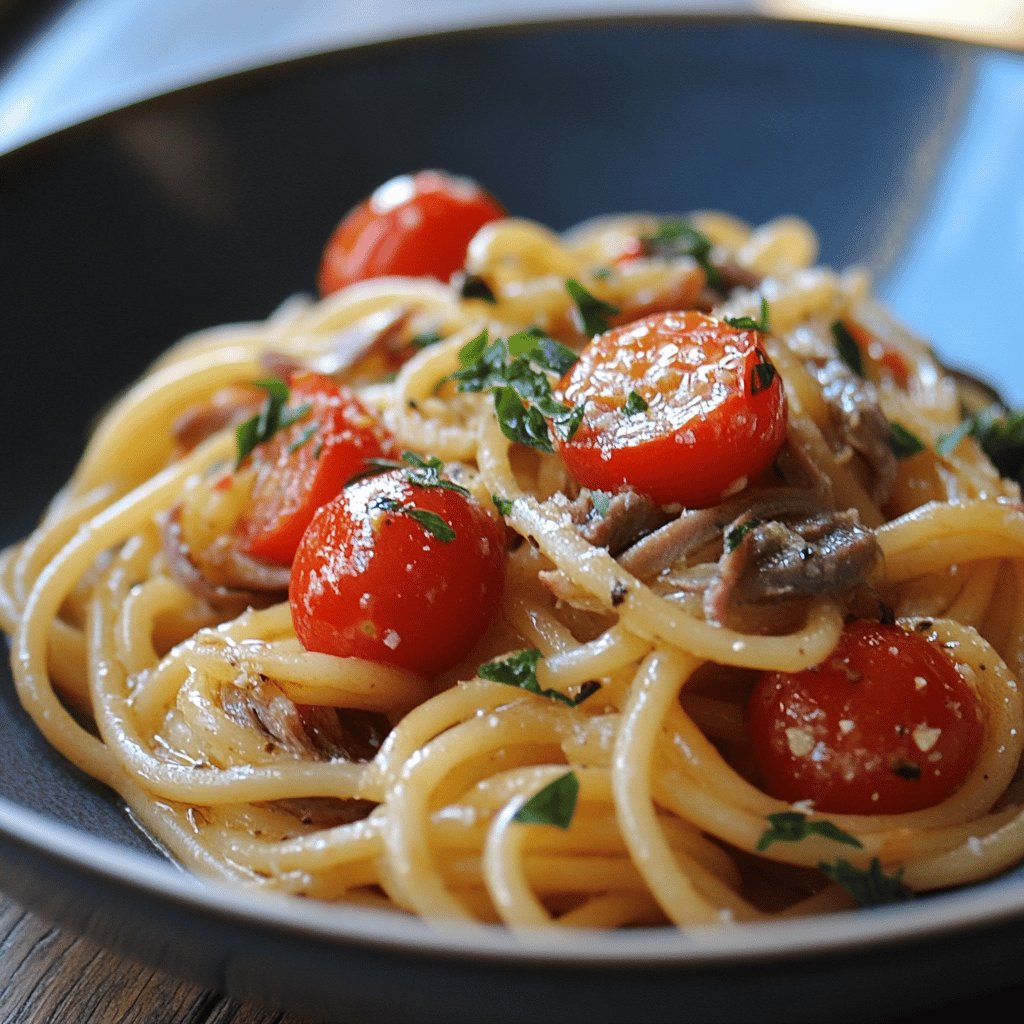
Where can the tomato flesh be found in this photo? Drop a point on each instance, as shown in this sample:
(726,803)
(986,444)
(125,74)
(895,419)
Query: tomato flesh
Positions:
(715,416)
(886,724)
(415,225)
(303,466)
(370,581)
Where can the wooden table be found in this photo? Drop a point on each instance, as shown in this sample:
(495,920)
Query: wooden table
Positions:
(48,976)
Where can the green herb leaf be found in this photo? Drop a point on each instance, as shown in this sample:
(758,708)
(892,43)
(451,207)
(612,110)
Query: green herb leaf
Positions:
(675,237)
(748,323)
(847,347)
(869,888)
(735,536)
(903,442)
(1000,433)
(503,505)
(762,373)
(635,403)
(555,804)
(594,312)
(430,521)
(312,427)
(416,469)
(792,826)
(515,371)
(601,500)
(426,338)
(520,669)
(272,417)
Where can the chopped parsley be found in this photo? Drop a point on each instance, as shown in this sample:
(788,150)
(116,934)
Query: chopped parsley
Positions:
(601,501)
(520,669)
(734,537)
(594,312)
(430,521)
(555,804)
(748,323)
(999,432)
(903,442)
(792,826)
(417,470)
(275,415)
(762,373)
(514,370)
(870,888)
(503,505)
(847,347)
(635,403)
(676,237)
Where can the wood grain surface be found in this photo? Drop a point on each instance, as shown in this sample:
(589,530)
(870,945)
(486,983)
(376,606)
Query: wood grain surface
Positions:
(50,977)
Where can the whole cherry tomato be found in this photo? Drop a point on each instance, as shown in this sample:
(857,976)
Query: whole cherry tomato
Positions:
(398,573)
(679,406)
(886,724)
(415,225)
(306,463)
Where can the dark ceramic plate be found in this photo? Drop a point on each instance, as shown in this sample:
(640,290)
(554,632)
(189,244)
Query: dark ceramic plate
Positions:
(211,205)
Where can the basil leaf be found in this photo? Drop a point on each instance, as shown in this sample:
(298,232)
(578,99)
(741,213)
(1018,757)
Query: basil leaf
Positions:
(426,338)
(903,442)
(594,312)
(735,536)
(762,374)
(999,432)
(870,888)
(555,804)
(792,826)
(519,669)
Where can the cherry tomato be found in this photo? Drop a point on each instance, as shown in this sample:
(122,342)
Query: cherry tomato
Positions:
(304,465)
(885,725)
(415,225)
(715,413)
(398,573)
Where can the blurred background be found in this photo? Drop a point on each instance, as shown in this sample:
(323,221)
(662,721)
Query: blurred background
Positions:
(63,61)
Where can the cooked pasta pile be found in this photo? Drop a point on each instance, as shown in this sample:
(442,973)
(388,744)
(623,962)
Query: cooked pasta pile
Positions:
(612,785)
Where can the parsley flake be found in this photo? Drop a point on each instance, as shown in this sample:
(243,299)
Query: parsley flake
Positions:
(748,323)
(847,347)
(430,521)
(275,415)
(514,370)
(675,237)
(503,505)
(555,804)
(1000,433)
(417,470)
(870,888)
(903,442)
(762,373)
(792,826)
(635,403)
(520,669)
(734,537)
(594,312)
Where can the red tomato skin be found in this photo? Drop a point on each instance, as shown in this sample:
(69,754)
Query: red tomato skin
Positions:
(415,225)
(294,477)
(885,725)
(372,583)
(707,430)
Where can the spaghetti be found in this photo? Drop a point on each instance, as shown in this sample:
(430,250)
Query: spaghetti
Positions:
(612,783)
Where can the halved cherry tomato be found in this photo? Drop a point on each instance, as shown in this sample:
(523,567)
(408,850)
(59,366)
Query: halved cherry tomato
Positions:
(398,573)
(715,413)
(885,725)
(304,465)
(415,225)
